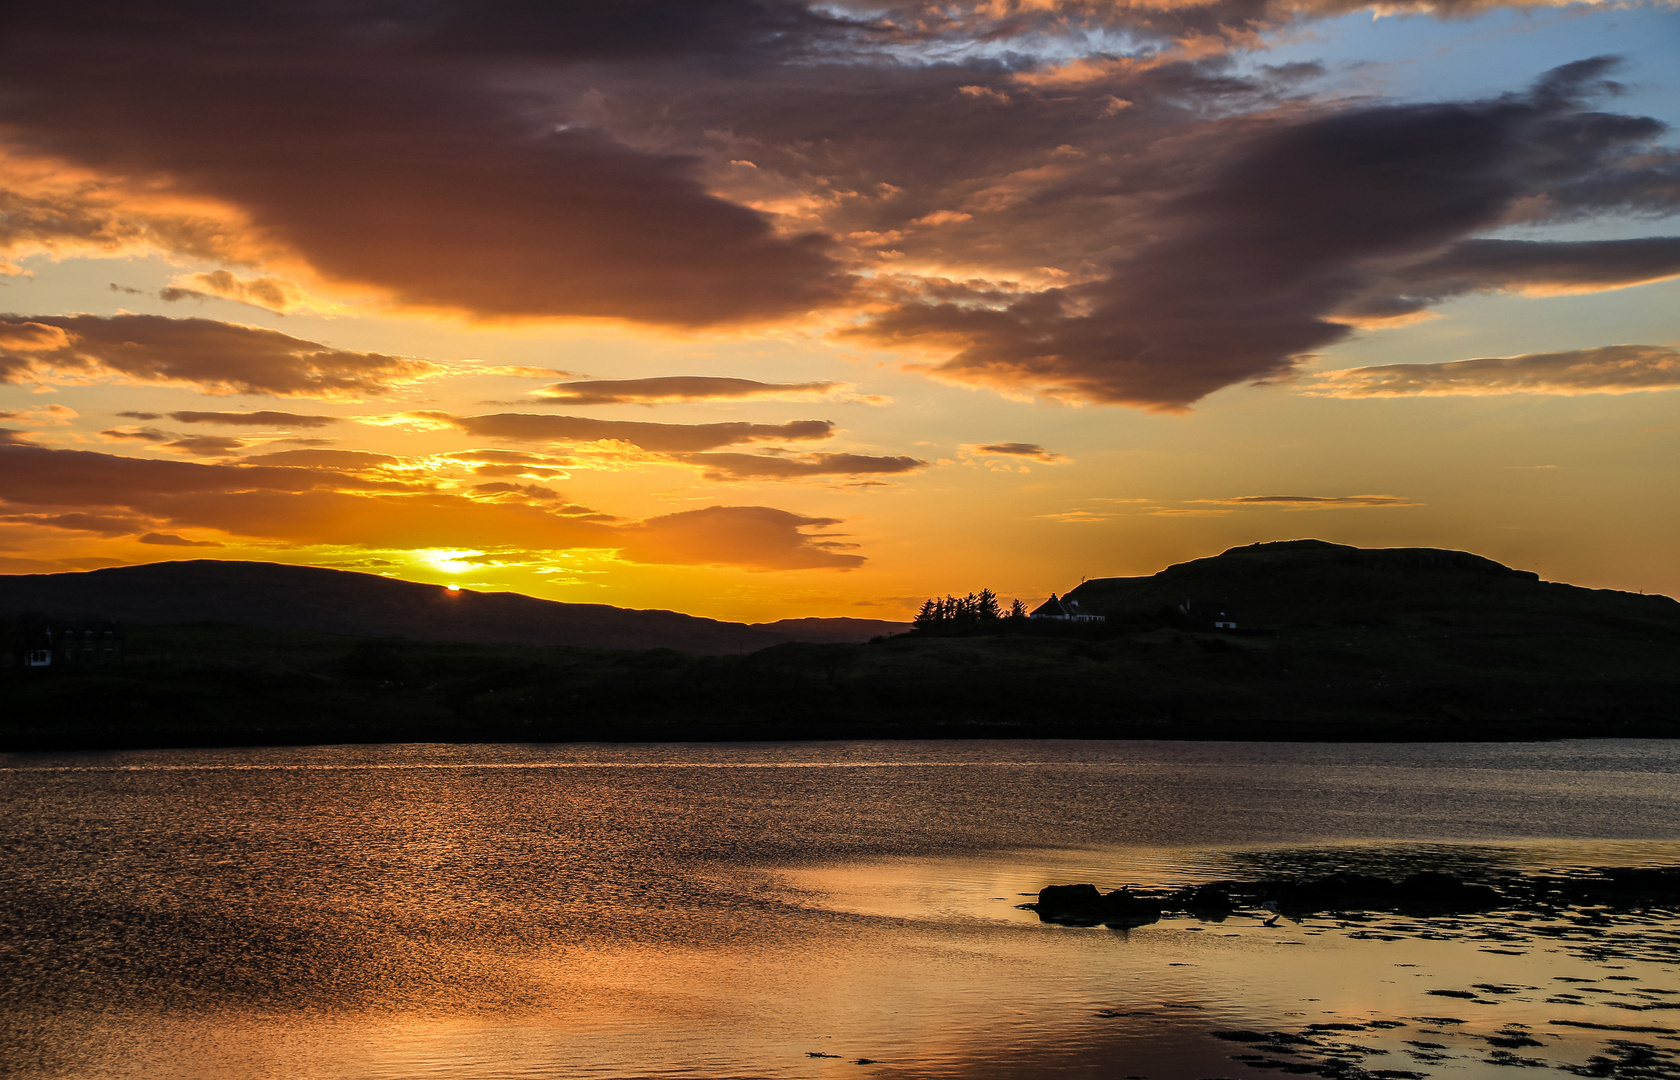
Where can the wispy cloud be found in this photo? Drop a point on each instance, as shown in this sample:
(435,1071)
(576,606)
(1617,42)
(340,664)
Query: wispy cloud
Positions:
(261,418)
(677,388)
(1608,369)
(668,438)
(789,467)
(1015,449)
(1312,502)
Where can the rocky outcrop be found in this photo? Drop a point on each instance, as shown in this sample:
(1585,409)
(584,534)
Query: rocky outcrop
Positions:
(1085,905)
(1416,894)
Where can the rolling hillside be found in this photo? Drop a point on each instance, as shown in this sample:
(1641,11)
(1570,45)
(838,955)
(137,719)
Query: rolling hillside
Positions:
(279,597)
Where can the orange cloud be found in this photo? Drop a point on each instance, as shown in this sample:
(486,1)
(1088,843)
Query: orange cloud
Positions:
(311,506)
(756,537)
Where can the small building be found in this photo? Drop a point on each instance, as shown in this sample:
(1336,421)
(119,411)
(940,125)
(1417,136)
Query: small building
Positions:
(1064,611)
(61,643)
(1205,616)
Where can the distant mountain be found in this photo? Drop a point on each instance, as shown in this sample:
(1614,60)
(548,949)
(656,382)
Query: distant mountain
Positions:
(281,597)
(1301,583)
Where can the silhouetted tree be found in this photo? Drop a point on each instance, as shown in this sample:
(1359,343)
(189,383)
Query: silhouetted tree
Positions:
(953,612)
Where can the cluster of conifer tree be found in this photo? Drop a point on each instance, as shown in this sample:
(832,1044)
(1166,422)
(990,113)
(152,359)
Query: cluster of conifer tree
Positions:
(961,611)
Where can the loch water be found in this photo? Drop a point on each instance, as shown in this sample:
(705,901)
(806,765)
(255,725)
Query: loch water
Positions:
(817,910)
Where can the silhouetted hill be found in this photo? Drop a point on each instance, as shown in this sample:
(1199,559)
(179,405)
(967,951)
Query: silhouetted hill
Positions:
(281,597)
(1303,583)
(1334,643)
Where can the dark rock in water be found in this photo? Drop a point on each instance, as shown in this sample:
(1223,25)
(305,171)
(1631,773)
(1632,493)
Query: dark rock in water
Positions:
(1623,887)
(1080,905)
(1084,905)
(1425,893)
(1444,893)
(1123,909)
(1211,901)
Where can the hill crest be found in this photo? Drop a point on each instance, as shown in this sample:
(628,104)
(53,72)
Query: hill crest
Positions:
(282,596)
(1294,582)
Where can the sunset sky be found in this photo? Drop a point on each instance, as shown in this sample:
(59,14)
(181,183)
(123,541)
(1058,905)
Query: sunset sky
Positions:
(756,309)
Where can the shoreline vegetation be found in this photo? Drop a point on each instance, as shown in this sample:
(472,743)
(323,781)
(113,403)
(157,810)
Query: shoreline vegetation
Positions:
(1332,643)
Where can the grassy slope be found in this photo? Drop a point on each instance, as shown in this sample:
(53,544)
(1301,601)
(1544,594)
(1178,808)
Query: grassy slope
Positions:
(1349,644)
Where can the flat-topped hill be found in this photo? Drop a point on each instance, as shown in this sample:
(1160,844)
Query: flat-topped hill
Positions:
(276,596)
(1294,583)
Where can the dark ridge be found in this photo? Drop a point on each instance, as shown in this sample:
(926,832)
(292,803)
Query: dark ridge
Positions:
(1311,582)
(275,596)
(1333,643)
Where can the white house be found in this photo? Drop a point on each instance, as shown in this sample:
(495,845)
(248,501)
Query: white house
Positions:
(1064,611)
(1204,616)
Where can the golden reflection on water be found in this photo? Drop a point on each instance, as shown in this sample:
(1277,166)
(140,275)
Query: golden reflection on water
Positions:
(226,915)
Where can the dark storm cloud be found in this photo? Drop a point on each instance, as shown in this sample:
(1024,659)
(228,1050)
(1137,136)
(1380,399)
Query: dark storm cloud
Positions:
(1609,369)
(216,357)
(664,438)
(674,388)
(386,145)
(1014,200)
(775,467)
(1518,265)
(1297,223)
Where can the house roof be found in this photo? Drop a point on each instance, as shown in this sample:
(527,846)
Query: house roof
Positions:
(1050,609)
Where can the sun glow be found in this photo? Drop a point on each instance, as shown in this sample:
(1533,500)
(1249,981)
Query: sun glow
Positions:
(449,560)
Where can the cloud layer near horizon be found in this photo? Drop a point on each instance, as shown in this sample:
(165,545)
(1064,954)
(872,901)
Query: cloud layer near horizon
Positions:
(303,504)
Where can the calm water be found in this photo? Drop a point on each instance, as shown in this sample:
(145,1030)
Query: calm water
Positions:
(722,911)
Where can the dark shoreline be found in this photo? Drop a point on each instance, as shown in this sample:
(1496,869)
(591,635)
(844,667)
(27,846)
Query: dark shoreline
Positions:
(211,684)
(96,739)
